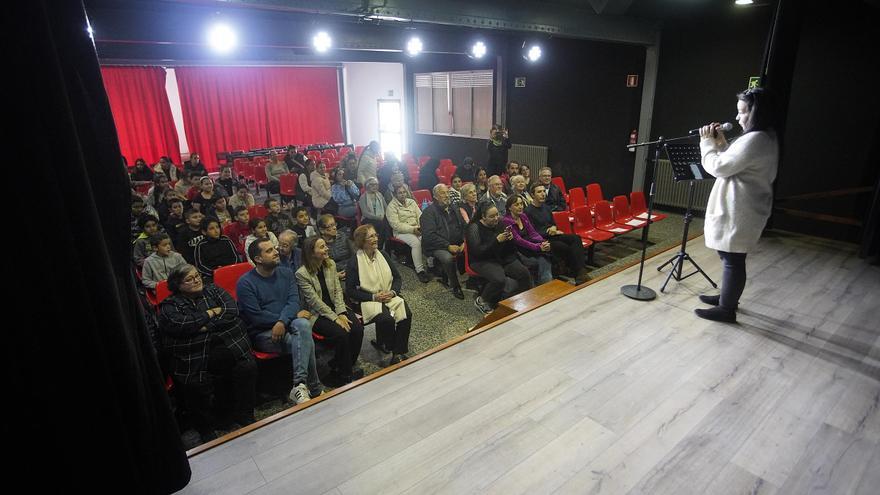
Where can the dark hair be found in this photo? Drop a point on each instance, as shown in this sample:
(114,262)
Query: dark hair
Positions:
(157,238)
(178,273)
(513,198)
(534,185)
(454,176)
(174,200)
(298,209)
(337,172)
(467,161)
(146,217)
(253,222)
(477,173)
(432,165)
(238,209)
(322,220)
(138,161)
(190,212)
(254,249)
(136,199)
(309,260)
(241,186)
(269,200)
(762,109)
(481,209)
(207,221)
(194,174)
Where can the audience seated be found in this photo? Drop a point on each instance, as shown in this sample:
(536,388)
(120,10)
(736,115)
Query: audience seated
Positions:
(158,265)
(174,221)
(518,186)
(338,239)
(187,181)
(210,357)
(428,174)
(511,170)
(239,230)
(149,225)
(468,170)
(397,179)
(493,256)
(141,174)
(387,170)
(345,193)
(268,298)
(373,206)
(443,236)
(165,166)
(243,197)
(349,164)
(190,235)
(321,194)
(259,230)
(403,215)
(214,249)
(295,161)
(373,282)
(195,165)
(554,197)
(227,182)
(468,204)
(368,163)
(455,190)
(275,168)
(323,297)
(482,182)
(566,247)
(138,208)
(303,227)
(205,198)
(221,210)
(495,194)
(156,194)
(534,250)
(290,254)
(278,219)
(304,185)
(526,174)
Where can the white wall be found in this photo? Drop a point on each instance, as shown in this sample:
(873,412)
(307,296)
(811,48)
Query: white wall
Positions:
(365,84)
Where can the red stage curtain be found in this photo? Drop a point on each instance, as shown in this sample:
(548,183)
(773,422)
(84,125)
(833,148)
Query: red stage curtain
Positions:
(144,124)
(229,108)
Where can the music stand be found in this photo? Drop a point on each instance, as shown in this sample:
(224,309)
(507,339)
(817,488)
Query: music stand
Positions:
(687,165)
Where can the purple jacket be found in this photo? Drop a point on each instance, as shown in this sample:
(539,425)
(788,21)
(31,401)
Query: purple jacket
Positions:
(532,241)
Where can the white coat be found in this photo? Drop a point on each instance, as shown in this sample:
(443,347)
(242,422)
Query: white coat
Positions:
(742,197)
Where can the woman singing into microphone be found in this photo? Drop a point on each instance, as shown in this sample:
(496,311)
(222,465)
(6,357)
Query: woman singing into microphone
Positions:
(742,197)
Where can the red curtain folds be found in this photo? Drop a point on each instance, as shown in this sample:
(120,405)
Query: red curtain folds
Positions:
(230,108)
(139,103)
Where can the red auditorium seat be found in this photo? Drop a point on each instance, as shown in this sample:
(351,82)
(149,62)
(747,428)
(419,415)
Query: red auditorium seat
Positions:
(260,177)
(639,208)
(422,195)
(576,198)
(288,184)
(623,215)
(605,220)
(560,183)
(594,195)
(227,276)
(257,211)
(585,226)
(560,218)
(162,291)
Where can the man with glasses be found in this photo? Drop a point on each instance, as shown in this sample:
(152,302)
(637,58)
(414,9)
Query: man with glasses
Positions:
(495,194)
(443,236)
(555,199)
(268,299)
(338,239)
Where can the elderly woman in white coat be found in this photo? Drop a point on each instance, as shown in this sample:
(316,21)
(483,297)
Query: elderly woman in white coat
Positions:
(742,197)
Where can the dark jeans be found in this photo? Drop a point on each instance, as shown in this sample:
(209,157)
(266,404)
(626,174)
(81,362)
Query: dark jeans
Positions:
(497,275)
(273,187)
(733,280)
(222,396)
(449,264)
(392,335)
(346,344)
(569,249)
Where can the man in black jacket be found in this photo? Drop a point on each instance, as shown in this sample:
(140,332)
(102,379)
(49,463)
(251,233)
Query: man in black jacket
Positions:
(555,199)
(567,247)
(443,236)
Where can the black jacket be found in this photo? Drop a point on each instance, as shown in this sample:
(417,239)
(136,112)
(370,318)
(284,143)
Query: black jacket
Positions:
(555,200)
(214,253)
(541,218)
(441,229)
(483,245)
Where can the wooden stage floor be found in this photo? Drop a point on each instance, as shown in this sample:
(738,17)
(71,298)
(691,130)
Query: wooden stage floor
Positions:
(596,393)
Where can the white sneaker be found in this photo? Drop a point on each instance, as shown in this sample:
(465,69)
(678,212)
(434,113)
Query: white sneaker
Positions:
(300,394)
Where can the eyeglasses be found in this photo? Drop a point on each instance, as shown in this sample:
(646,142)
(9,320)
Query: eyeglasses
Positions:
(191,279)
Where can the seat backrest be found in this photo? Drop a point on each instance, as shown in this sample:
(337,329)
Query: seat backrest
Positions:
(249,170)
(560,218)
(421,196)
(260,173)
(227,277)
(576,198)
(288,184)
(467,264)
(583,219)
(257,211)
(603,214)
(637,202)
(621,209)
(162,291)
(594,194)
(560,183)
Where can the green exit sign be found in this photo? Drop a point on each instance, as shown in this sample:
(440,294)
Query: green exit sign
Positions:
(754,82)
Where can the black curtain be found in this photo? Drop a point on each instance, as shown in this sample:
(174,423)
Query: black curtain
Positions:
(87,406)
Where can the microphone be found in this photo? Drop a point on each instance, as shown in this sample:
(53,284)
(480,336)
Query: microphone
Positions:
(727,126)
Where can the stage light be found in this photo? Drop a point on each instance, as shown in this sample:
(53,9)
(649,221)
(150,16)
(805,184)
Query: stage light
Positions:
(322,42)
(414,46)
(744,2)
(478,50)
(222,38)
(533,54)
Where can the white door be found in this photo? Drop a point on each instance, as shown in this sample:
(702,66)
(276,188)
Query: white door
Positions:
(390,127)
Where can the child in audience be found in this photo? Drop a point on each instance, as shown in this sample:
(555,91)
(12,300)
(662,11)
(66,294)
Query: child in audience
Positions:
(243,197)
(175,222)
(204,200)
(156,194)
(159,264)
(214,249)
(185,184)
(303,227)
(221,211)
(142,248)
(190,236)
(227,182)
(238,230)
(138,208)
(277,219)
(455,190)
(259,230)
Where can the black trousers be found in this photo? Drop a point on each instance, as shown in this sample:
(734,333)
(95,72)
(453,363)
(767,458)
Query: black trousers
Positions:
(570,249)
(392,335)
(347,344)
(496,276)
(222,396)
(733,279)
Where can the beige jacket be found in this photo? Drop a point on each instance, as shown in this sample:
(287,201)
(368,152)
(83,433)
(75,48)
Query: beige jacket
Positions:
(404,219)
(312,295)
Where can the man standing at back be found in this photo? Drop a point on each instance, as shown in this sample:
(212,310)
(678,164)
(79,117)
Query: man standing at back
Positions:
(268,301)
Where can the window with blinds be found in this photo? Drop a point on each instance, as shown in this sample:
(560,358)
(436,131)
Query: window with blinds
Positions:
(454,103)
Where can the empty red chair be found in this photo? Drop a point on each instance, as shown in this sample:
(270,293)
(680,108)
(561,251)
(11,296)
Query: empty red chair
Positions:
(623,215)
(639,208)
(257,211)
(560,218)
(248,171)
(467,264)
(585,226)
(560,183)
(358,150)
(576,198)
(162,291)
(605,220)
(288,184)
(260,177)
(422,196)
(330,153)
(594,195)
(227,277)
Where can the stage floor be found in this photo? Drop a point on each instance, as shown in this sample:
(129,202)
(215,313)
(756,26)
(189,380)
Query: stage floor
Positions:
(597,393)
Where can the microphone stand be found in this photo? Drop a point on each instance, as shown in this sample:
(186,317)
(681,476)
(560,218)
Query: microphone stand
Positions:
(638,292)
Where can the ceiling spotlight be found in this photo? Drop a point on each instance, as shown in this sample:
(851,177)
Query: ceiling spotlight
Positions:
(222,38)
(533,54)
(478,50)
(414,46)
(322,42)
(744,2)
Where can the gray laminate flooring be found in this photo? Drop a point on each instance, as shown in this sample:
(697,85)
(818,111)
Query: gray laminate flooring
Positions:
(596,393)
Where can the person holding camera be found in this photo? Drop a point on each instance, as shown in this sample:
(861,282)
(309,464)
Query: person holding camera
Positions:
(498,146)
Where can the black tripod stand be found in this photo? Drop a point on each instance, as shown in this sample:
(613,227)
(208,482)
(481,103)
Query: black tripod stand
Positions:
(685,161)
